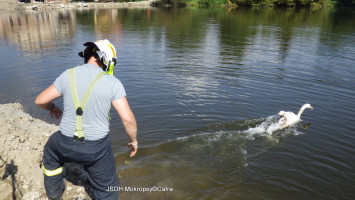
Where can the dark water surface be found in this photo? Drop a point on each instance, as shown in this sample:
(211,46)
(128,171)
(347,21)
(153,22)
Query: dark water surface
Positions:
(204,85)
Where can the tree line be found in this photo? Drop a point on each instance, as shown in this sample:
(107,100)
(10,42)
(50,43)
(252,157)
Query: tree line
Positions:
(261,3)
(248,3)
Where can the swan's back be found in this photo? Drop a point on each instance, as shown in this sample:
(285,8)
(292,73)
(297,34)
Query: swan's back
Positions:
(290,116)
(288,119)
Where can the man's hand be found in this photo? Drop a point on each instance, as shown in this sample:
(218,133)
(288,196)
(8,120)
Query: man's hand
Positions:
(134,148)
(56,112)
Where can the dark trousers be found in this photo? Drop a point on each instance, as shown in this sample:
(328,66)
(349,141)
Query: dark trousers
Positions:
(96,157)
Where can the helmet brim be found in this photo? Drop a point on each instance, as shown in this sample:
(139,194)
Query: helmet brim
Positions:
(90,44)
(87,44)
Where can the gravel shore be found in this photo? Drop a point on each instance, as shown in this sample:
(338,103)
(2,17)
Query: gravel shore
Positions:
(22,139)
(59,5)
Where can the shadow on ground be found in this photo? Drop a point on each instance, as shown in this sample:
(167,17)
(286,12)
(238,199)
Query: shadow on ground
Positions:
(11,170)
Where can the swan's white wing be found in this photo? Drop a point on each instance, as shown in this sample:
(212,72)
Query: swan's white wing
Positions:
(282,121)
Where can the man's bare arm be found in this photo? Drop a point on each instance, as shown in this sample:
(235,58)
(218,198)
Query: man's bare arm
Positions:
(129,122)
(45,98)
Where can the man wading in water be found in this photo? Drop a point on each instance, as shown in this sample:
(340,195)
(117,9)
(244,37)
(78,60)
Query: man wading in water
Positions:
(88,92)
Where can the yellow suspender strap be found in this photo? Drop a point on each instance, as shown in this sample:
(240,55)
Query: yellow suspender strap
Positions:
(52,172)
(80,106)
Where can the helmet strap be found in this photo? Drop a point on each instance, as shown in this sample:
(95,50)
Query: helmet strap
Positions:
(103,64)
(110,67)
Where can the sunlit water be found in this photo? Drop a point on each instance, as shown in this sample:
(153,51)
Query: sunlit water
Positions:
(205,86)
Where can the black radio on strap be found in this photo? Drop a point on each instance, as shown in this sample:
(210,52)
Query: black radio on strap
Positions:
(79,111)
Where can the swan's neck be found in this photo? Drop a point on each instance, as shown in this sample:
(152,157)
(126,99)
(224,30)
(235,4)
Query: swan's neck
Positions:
(301,111)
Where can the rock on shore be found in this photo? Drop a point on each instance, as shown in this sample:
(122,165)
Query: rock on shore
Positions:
(22,139)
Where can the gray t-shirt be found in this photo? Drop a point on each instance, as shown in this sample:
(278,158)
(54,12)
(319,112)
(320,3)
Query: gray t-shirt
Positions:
(96,113)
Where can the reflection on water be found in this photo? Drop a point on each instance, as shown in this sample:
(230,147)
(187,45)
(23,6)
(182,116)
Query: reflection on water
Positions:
(32,32)
(201,83)
(103,22)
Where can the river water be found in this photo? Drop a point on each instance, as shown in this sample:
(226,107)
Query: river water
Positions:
(205,85)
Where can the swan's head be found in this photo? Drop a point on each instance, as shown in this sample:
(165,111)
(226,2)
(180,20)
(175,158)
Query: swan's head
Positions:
(281,113)
(307,105)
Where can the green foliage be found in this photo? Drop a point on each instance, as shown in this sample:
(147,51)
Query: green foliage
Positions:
(211,2)
(253,3)
(304,2)
(174,2)
(263,3)
(242,2)
(193,3)
(288,3)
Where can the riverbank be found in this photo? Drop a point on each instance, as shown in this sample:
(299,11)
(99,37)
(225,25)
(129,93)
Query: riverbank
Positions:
(22,139)
(59,5)
(259,3)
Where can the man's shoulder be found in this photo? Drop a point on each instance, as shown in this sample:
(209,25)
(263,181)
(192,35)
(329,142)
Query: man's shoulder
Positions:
(112,79)
(76,67)
(64,73)
(79,67)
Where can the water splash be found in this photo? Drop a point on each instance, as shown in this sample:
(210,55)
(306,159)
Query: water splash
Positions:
(246,129)
(265,128)
(237,140)
(271,126)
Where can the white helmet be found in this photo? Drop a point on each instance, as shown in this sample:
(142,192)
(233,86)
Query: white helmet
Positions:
(106,52)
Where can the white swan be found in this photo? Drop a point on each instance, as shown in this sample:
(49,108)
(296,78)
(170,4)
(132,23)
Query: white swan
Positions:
(289,118)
